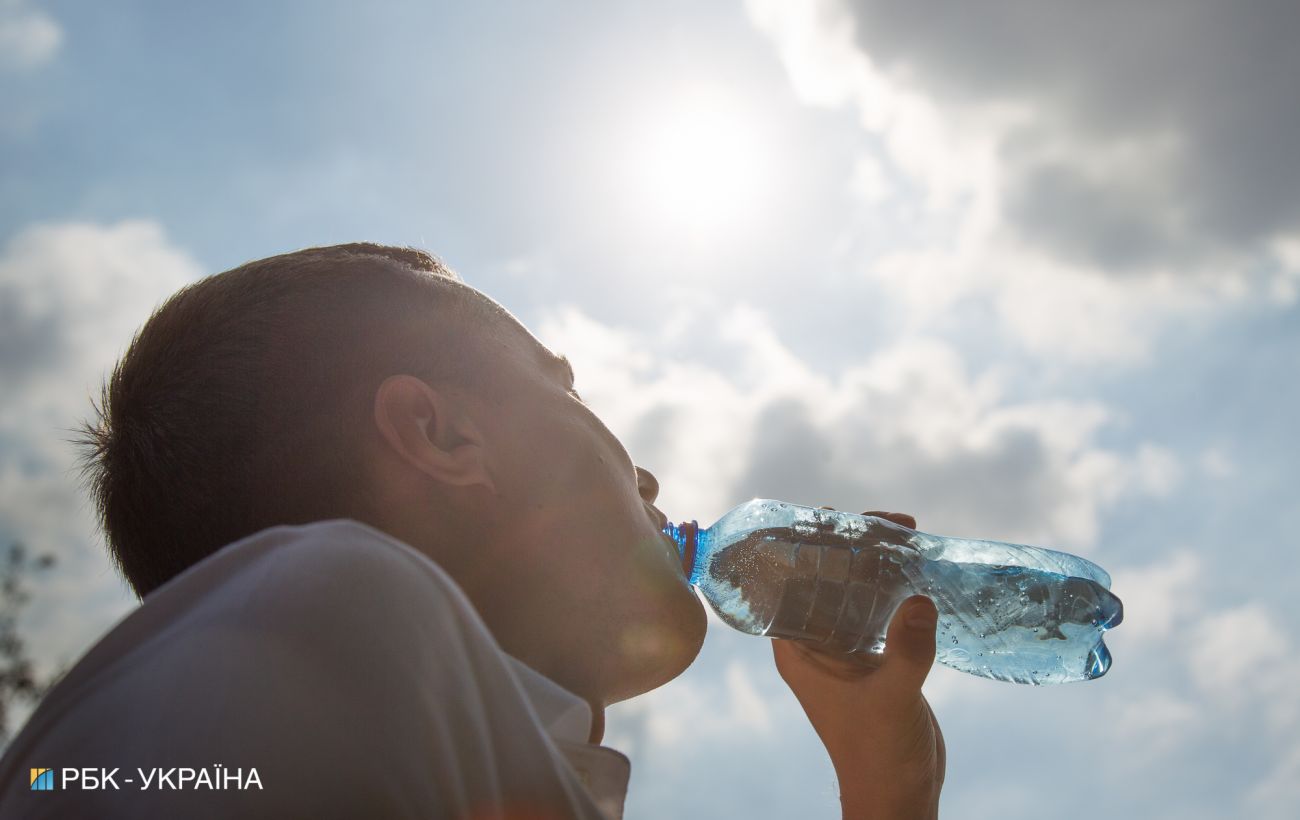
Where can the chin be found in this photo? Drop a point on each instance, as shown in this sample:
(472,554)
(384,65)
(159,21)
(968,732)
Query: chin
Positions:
(653,652)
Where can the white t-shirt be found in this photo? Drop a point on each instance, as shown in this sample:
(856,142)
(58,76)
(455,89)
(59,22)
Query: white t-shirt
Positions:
(348,670)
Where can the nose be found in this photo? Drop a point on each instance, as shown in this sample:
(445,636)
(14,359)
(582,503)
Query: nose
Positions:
(647,485)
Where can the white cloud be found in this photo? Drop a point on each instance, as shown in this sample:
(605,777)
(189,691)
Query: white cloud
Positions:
(1159,472)
(910,427)
(1199,678)
(1243,658)
(647,400)
(1217,462)
(1154,724)
(748,708)
(735,708)
(73,295)
(1141,154)
(1277,794)
(1054,308)
(1159,596)
(816,42)
(741,704)
(868,181)
(1286,280)
(1045,198)
(28,37)
(1245,665)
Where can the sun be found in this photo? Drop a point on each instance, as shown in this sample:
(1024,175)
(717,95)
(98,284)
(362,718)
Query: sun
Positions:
(698,163)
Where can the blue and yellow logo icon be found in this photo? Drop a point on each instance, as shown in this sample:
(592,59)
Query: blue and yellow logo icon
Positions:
(42,780)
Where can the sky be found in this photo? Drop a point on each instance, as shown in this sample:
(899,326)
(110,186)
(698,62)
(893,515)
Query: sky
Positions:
(1028,271)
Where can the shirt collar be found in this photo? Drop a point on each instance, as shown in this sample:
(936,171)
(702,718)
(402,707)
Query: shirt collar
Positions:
(563,715)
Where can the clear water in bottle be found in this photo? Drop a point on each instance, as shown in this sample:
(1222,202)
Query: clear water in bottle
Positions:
(1006,611)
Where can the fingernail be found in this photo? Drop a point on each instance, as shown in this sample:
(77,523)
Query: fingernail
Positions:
(921,616)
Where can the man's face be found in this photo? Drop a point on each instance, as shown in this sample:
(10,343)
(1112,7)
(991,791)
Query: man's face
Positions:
(584,586)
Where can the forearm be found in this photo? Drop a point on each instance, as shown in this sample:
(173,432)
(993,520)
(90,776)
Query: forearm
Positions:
(894,775)
(863,802)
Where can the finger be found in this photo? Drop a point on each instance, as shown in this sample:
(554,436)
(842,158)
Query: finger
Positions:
(910,645)
(898,518)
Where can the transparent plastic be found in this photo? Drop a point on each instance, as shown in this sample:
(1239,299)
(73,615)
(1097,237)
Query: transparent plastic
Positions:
(1006,611)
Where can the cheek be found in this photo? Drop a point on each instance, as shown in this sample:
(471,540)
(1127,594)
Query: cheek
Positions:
(575,468)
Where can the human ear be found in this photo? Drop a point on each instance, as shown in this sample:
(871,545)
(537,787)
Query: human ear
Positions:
(431,430)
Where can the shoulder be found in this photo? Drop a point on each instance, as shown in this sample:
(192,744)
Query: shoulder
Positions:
(341,591)
(337,553)
(315,570)
(324,601)
(301,554)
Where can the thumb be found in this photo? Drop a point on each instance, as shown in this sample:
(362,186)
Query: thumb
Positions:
(910,644)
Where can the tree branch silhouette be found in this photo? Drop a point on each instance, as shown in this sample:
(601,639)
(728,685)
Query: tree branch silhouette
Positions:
(20,683)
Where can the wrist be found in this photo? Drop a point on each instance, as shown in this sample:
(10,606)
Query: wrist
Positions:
(888,801)
(878,807)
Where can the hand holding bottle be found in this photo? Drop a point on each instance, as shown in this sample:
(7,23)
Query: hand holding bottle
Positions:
(879,730)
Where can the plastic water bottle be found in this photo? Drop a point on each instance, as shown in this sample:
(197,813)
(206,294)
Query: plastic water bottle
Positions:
(1006,611)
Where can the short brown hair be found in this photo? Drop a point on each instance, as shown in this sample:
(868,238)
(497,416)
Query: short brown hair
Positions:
(236,406)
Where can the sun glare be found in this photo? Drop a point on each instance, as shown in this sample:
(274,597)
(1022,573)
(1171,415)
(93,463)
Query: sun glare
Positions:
(698,164)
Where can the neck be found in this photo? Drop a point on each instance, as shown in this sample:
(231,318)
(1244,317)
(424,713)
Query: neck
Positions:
(597,723)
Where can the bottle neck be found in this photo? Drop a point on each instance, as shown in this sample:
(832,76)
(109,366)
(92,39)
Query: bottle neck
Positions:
(686,536)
